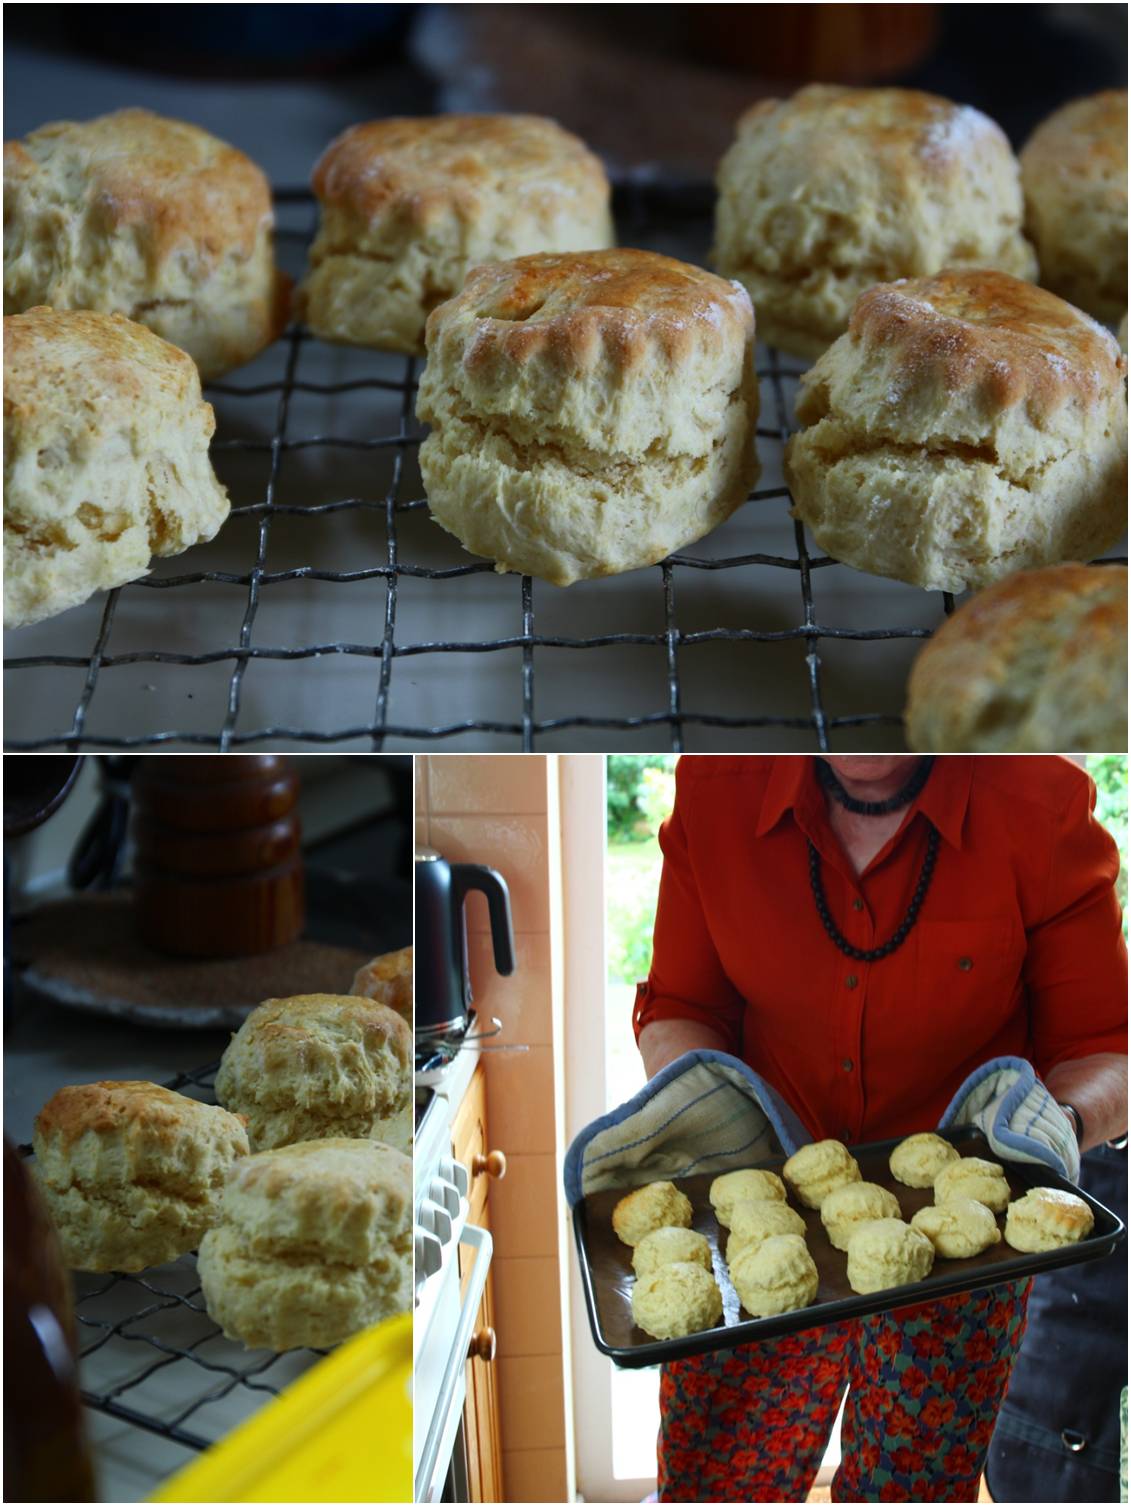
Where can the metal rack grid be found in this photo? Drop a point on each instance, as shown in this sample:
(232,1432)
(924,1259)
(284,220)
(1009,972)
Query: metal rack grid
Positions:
(150,1355)
(516,622)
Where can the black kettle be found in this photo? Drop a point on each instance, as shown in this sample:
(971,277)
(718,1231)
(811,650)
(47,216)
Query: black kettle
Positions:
(442,985)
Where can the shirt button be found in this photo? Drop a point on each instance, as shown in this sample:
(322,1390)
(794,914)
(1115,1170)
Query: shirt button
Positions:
(857,904)
(851,981)
(965,963)
(846,1064)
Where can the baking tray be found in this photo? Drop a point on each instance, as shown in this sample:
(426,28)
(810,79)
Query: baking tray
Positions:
(607,1277)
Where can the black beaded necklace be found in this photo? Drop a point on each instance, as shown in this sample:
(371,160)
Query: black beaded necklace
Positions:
(895,802)
(874,808)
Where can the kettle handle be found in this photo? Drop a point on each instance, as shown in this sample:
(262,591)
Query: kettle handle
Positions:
(469,876)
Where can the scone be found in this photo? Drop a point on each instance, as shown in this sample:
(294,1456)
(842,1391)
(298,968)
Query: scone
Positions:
(777,1276)
(590,412)
(320,1066)
(917,1161)
(746,1186)
(826,193)
(132,1173)
(958,1228)
(887,1252)
(105,458)
(967,426)
(1074,173)
(152,218)
(314,1243)
(857,1203)
(1034,664)
(388,979)
(659,1205)
(754,1223)
(675,1300)
(409,206)
(1046,1219)
(973,1177)
(663,1246)
(818,1169)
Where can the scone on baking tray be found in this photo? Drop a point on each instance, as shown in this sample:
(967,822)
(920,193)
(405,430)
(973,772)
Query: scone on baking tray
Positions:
(958,1228)
(132,1173)
(1033,664)
(590,412)
(657,1205)
(1074,173)
(887,1252)
(745,1186)
(135,214)
(917,1161)
(1047,1218)
(105,458)
(752,1223)
(313,1244)
(667,1245)
(409,206)
(972,1176)
(824,194)
(847,1207)
(676,1299)
(320,1066)
(815,1170)
(388,979)
(776,1276)
(967,426)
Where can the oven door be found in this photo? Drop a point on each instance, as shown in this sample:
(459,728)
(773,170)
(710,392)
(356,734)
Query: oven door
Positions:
(441,1367)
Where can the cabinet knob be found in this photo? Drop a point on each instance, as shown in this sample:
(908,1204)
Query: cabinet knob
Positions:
(494,1163)
(482,1346)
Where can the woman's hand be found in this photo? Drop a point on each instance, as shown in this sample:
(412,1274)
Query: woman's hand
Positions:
(663,1040)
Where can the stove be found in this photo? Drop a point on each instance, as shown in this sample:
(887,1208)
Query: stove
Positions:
(445,1312)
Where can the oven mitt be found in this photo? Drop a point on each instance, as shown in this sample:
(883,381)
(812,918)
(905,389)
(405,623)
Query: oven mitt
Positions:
(706,1111)
(1017,1114)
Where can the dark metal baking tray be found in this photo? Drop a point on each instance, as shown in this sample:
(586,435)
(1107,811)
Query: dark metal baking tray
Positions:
(607,1277)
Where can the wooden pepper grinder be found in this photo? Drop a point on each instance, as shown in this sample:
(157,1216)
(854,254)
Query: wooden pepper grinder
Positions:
(217,855)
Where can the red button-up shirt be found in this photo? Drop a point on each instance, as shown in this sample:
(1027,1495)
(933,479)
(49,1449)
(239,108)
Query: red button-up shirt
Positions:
(1017,950)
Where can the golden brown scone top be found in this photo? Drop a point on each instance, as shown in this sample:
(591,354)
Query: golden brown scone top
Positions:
(352,1163)
(1014,342)
(110,1107)
(895,122)
(417,167)
(280,1028)
(388,979)
(1086,139)
(1030,608)
(171,178)
(573,307)
(45,349)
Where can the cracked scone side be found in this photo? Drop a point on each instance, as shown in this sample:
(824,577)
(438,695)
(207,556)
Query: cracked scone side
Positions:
(409,206)
(589,413)
(105,458)
(136,214)
(967,425)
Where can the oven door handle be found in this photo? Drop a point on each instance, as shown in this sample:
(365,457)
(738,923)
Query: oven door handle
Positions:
(439,1430)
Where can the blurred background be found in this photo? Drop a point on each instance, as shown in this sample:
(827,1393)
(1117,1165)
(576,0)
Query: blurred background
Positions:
(649,86)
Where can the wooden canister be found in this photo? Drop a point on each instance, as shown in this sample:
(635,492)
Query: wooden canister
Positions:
(217,854)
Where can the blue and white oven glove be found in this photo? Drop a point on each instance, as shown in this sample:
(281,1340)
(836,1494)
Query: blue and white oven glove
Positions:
(1018,1115)
(706,1111)
(709,1112)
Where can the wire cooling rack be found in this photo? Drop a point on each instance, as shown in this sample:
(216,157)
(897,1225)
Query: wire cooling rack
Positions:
(330,611)
(150,1356)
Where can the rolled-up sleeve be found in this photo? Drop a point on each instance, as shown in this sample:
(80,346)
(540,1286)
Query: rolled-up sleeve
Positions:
(1076,962)
(686,980)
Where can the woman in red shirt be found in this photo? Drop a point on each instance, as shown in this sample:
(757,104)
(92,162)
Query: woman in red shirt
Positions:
(865,932)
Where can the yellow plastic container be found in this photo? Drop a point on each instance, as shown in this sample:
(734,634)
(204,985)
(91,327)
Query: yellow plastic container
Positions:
(343,1432)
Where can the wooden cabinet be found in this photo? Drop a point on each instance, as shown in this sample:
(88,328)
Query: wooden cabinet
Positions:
(481,1411)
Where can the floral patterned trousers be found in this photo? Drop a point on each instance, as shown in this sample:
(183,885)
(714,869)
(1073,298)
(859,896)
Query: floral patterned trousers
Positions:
(924,1387)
